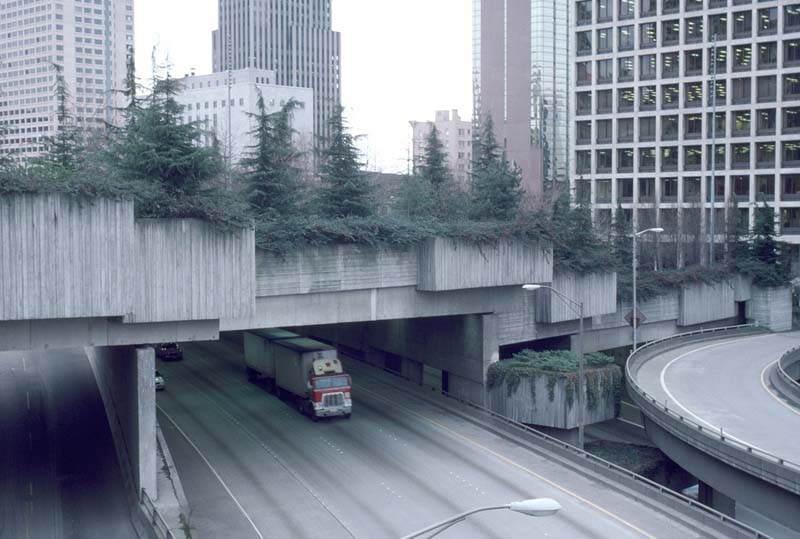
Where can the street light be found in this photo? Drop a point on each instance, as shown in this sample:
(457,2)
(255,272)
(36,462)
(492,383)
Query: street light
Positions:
(577,307)
(635,317)
(540,507)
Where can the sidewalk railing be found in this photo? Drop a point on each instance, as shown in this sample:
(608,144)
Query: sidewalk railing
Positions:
(154,517)
(758,462)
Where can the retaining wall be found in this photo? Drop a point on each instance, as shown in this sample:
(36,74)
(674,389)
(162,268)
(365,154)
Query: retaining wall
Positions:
(706,302)
(597,291)
(771,308)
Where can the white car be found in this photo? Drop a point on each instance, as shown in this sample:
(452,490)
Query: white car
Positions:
(159,381)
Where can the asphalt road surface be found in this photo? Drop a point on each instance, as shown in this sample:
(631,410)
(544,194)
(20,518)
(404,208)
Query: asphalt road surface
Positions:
(253,467)
(723,384)
(59,476)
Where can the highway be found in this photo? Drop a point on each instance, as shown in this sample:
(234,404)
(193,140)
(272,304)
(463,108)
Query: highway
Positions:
(723,384)
(59,476)
(253,467)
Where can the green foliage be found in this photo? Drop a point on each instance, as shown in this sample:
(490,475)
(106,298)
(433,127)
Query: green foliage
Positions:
(496,192)
(650,284)
(576,247)
(271,175)
(434,169)
(345,191)
(763,257)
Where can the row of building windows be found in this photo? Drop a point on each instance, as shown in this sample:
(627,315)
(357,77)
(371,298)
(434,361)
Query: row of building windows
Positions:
(741,93)
(600,11)
(689,157)
(743,56)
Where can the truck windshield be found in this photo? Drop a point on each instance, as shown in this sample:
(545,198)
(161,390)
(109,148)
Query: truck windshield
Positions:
(331,382)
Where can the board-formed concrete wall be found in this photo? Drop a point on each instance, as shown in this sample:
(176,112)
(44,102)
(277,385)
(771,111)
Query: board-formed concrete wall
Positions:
(597,291)
(706,302)
(65,259)
(530,402)
(449,264)
(334,268)
(771,308)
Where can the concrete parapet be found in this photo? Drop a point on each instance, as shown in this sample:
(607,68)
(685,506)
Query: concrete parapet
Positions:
(743,287)
(450,264)
(550,399)
(706,302)
(771,307)
(597,291)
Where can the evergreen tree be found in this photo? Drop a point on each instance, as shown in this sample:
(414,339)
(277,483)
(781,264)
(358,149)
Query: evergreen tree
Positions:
(271,174)
(62,155)
(131,90)
(345,191)
(621,243)
(496,192)
(434,169)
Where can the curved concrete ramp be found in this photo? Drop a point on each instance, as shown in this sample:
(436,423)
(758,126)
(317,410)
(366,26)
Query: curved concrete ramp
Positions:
(60,477)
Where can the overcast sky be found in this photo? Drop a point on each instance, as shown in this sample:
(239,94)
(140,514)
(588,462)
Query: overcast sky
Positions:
(401,61)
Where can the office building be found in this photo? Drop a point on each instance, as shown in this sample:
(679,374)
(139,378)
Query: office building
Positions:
(643,126)
(456,136)
(521,77)
(293,38)
(209,100)
(88,41)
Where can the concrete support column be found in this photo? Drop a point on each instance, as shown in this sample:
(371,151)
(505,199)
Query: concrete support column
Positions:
(146,419)
(716,500)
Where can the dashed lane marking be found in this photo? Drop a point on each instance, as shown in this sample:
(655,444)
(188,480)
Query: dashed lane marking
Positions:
(510,462)
(214,471)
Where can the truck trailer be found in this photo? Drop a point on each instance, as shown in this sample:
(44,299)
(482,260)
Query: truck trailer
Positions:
(302,370)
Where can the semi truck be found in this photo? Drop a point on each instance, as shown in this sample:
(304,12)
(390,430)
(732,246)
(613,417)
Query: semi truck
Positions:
(301,370)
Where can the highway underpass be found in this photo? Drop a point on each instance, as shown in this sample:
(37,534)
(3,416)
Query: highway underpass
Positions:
(253,466)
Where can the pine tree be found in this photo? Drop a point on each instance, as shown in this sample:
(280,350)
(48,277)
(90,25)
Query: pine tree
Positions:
(621,244)
(434,169)
(271,173)
(345,191)
(496,192)
(131,90)
(64,148)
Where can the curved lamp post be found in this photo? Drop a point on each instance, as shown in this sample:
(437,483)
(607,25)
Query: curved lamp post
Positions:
(540,507)
(635,319)
(577,308)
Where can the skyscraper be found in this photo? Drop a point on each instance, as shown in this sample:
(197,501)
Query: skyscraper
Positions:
(521,78)
(293,38)
(89,42)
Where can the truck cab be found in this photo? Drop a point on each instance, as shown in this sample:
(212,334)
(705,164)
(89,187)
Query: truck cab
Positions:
(329,388)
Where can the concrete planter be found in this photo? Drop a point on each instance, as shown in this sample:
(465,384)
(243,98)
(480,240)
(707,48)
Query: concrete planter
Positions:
(771,307)
(706,302)
(597,291)
(449,264)
(743,288)
(550,399)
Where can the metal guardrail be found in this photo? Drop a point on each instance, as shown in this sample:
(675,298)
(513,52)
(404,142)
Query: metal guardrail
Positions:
(746,530)
(154,517)
(748,452)
(782,362)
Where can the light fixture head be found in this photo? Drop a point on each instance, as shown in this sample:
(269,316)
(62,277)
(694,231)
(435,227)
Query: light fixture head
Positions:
(539,507)
(531,287)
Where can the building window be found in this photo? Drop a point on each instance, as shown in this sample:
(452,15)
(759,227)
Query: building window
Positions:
(718,24)
(791,120)
(767,21)
(583,161)
(603,191)
(625,38)
(791,18)
(583,12)
(765,122)
(647,190)
(625,162)
(720,126)
(647,67)
(584,104)
(766,88)
(722,60)
(625,69)
(669,158)
(791,191)
(791,154)
(741,123)
(721,94)
(670,6)
(694,94)
(625,189)
(584,73)
(626,9)
(765,185)
(649,7)
(694,5)
(647,129)
(742,57)
(790,220)
(647,98)
(625,99)
(765,155)
(603,161)
(625,130)
(605,71)
(694,30)
(742,24)
(647,35)
(693,62)
(791,52)
(691,189)
(604,12)
(669,65)
(604,101)
(604,40)
(692,157)
(670,32)
(720,153)
(669,189)
(791,86)
(741,187)
(669,128)
(694,126)
(584,43)
(584,132)
(741,90)
(670,96)
(767,55)
(603,131)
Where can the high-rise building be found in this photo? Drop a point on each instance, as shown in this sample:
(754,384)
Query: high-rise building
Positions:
(521,77)
(456,136)
(293,38)
(89,42)
(643,128)
(224,105)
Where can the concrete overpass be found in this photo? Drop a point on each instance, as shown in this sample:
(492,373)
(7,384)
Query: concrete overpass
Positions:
(709,403)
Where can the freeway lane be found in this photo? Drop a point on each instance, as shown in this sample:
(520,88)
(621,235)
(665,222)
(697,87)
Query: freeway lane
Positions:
(59,477)
(719,383)
(399,464)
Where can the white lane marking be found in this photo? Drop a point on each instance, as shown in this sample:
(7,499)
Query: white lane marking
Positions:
(509,461)
(210,467)
(771,393)
(689,412)
(24,364)
(28,399)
